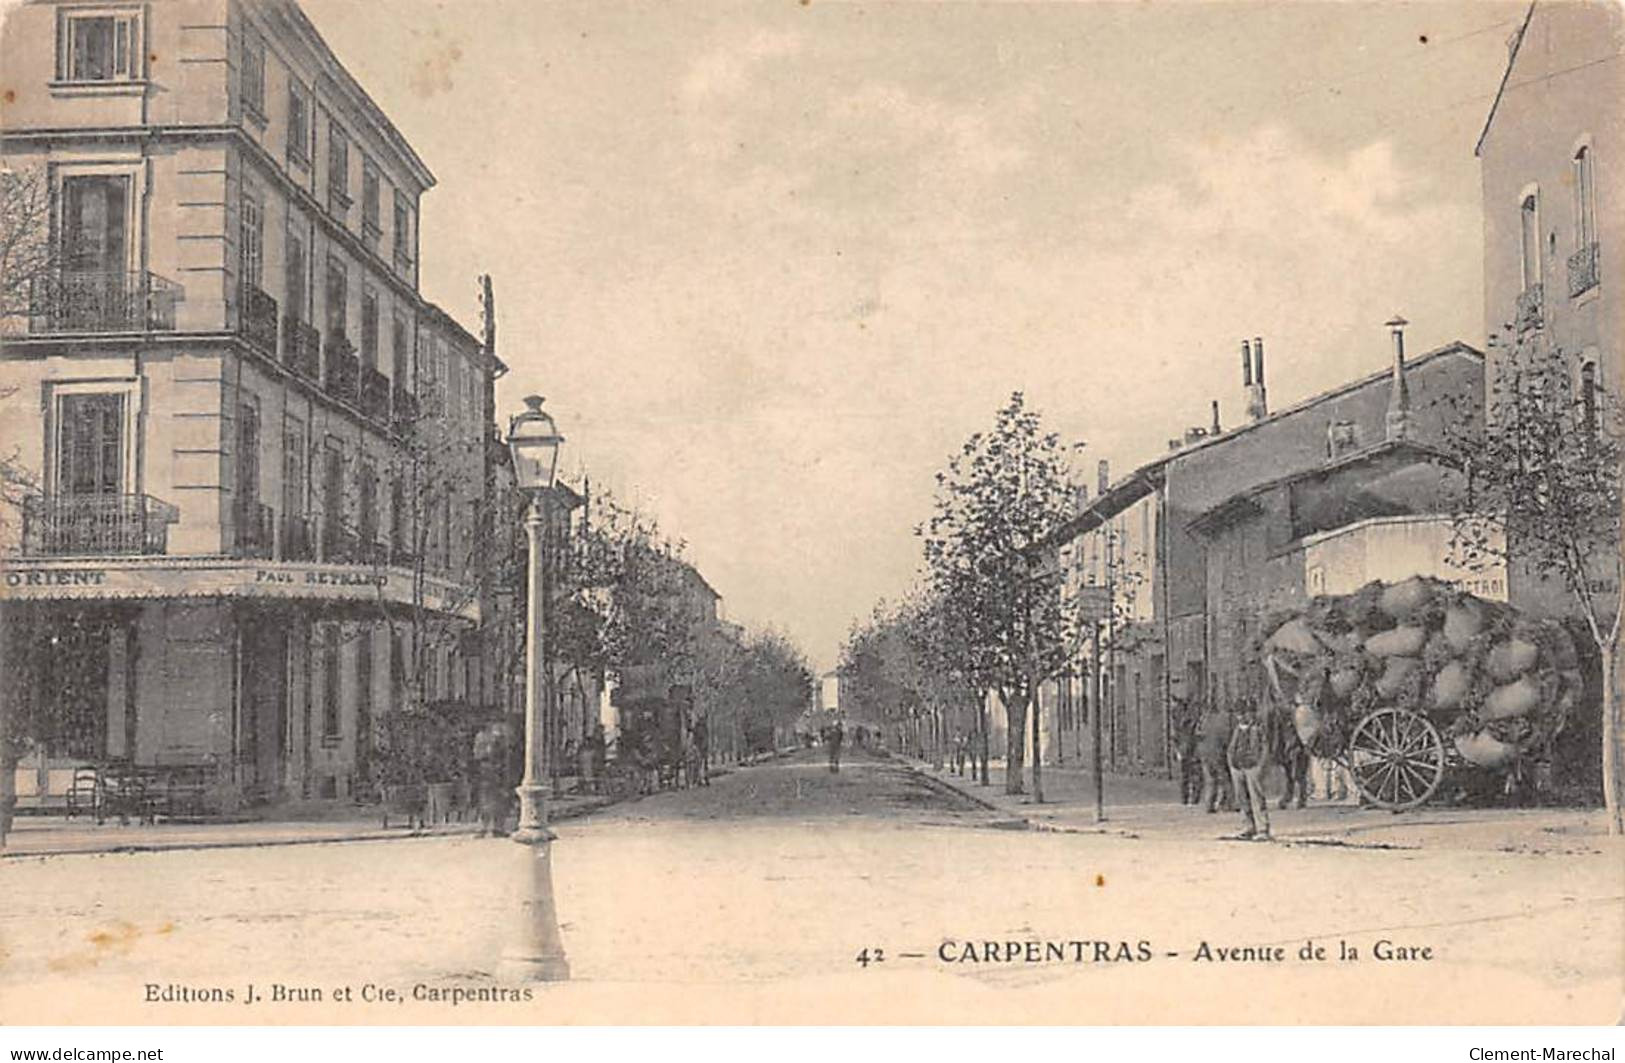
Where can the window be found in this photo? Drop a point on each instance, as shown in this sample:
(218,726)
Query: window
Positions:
(95,224)
(100,46)
(252,249)
(400,371)
(397,669)
(1585,206)
(253,77)
(294,276)
(298,124)
(403,235)
(338,295)
(1529,230)
(369,327)
(369,202)
(333,495)
(293,471)
(90,444)
(363,703)
(330,685)
(397,515)
(1588,398)
(369,506)
(250,532)
(338,170)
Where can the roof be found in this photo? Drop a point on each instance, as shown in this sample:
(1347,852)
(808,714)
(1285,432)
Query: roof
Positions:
(1244,503)
(1506,76)
(1148,477)
(444,320)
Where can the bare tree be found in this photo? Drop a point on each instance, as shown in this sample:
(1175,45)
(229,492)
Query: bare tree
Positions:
(1543,499)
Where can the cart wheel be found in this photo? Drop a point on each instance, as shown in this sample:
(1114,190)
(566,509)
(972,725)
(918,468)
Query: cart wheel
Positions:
(1397,758)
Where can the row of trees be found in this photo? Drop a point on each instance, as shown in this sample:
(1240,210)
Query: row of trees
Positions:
(1541,496)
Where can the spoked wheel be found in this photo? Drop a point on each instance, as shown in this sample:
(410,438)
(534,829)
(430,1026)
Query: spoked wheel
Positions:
(1397,758)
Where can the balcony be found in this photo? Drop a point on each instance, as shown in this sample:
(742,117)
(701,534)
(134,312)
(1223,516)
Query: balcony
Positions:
(256,531)
(75,301)
(96,525)
(301,348)
(374,394)
(343,369)
(1531,309)
(257,320)
(1583,270)
(404,413)
(298,538)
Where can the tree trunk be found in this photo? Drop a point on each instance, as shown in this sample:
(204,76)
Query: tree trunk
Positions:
(1038,755)
(1610,741)
(937,729)
(1015,735)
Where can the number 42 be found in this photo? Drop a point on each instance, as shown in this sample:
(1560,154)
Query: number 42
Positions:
(871,955)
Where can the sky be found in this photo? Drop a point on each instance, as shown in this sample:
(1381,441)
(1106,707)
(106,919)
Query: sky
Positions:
(771,263)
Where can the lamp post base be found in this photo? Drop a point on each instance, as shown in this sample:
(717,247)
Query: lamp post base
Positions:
(535,952)
(532,827)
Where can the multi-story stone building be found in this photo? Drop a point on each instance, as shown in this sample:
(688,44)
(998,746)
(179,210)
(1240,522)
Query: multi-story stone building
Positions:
(1195,545)
(257,453)
(1549,163)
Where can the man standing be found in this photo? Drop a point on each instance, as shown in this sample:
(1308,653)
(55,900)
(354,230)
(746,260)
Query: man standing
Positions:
(1248,756)
(833,737)
(1190,767)
(1213,739)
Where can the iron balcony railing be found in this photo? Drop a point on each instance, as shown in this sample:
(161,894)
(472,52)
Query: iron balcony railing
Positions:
(343,369)
(374,393)
(256,531)
(96,525)
(102,301)
(301,348)
(298,538)
(401,555)
(1583,269)
(1531,308)
(258,319)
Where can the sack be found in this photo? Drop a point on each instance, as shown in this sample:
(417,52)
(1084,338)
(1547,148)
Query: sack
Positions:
(1462,623)
(1451,685)
(1484,749)
(1512,658)
(1402,599)
(1400,642)
(1514,699)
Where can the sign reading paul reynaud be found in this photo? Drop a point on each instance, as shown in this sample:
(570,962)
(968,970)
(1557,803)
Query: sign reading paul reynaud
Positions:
(65,580)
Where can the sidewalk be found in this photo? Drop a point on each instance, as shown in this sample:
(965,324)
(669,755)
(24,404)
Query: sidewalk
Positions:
(1141,807)
(309,824)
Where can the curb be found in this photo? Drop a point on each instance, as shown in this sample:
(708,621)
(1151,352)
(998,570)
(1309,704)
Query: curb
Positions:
(945,785)
(370,835)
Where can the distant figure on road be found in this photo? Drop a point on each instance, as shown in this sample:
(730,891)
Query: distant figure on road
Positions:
(833,737)
(1212,742)
(1248,756)
(961,752)
(700,734)
(1190,766)
(490,764)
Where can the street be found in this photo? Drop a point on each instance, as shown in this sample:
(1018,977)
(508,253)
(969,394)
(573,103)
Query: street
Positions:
(779,880)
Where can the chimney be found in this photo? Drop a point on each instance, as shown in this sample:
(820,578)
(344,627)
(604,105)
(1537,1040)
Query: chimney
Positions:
(1082,499)
(1215,430)
(1195,435)
(1246,365)
(1175,444)
(1103,477)
(1399,392)
(1258,406)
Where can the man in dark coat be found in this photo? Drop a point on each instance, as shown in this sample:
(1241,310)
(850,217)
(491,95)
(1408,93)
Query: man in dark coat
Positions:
(1212,744)
(1248,757)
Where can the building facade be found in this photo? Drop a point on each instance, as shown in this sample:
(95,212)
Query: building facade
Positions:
(1189,584)
(257,453)
(1553,228)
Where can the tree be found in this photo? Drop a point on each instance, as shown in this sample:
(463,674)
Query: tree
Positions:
(26,252)
(997,502)
(1542,497)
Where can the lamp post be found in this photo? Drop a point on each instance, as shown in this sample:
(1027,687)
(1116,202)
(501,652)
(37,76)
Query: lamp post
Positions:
(536,952)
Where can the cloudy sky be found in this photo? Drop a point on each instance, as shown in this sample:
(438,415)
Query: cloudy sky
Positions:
(772,262)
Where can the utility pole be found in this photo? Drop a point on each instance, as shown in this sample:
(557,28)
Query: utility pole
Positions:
(1094,731)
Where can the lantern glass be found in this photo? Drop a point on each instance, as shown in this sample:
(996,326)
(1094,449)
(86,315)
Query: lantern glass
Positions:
(534,441)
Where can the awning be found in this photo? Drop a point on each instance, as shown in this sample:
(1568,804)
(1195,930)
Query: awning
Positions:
(90,579)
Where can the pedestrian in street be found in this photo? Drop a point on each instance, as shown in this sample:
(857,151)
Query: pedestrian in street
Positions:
(1212,742)
(833,737)
(1249,756)
(490,764)
(1190,766)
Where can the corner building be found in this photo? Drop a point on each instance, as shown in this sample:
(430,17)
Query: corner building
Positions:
(223,387)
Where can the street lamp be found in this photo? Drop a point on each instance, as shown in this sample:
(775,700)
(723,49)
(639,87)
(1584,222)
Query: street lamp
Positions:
(536,952)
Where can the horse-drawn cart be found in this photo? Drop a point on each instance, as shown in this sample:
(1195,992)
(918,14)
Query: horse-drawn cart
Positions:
(1407,683)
